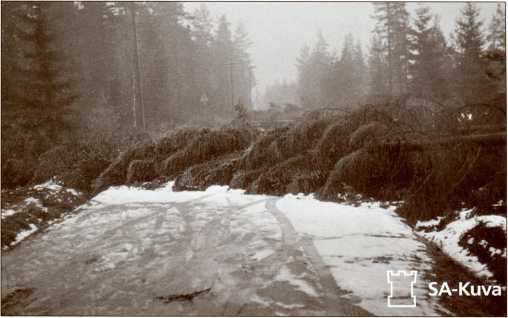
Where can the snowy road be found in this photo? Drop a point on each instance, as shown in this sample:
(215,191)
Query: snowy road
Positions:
(216,252)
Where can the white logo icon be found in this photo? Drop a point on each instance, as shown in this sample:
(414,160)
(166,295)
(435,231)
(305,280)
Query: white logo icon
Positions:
(401,289)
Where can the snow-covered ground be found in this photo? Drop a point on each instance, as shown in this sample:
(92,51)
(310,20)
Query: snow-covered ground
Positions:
(449,237)
(24,234)
(49,192)
(360,244)
(278,256)
(13,209)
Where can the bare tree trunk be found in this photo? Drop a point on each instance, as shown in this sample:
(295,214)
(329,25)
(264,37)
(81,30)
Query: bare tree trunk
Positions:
(137,64)
(231,82)
(134,111)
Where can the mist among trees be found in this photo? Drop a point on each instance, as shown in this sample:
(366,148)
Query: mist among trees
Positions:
(136,101)
(408,56)
(106,74)
(100,71)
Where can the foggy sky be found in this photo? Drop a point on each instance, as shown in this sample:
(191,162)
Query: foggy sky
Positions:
(279,30)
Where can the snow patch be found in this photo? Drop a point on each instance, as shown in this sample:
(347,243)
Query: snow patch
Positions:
(48,185)
(327,219)
(24,234)
(262,254)
(127,194)
(448,239)
(73,192)
(359,244)
(54,188)
(498,203)
(8,212)
(286,275)
(429,223)
(165,194)
(34,201)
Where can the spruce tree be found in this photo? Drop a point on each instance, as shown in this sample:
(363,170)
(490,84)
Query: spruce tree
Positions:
(351,67)
(497,31)
(379,88)
(361,73)
(469,42)
(428,70)
(222,53)
(495,58)
(319,66)
(11,54)
(243,75)
(202,36)
(343,84)
(303,69)
(46,89)
(392,29)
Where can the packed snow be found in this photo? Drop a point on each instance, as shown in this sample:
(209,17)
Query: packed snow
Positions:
(360,244)
(302,285)
(448,239)
(165,194)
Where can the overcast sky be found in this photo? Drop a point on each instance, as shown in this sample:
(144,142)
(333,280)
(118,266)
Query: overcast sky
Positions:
(279,30)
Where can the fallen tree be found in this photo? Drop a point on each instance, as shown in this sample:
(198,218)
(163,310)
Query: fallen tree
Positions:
(376,151)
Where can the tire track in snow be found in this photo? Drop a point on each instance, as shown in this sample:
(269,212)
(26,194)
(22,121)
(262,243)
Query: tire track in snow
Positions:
(204,254)
(332,292)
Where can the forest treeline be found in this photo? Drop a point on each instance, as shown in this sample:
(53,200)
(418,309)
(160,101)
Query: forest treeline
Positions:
(409,56)
(98,71)
(96,77)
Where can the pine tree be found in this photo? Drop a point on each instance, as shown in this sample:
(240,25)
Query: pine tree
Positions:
(46,90)
(392,29)
(137,93)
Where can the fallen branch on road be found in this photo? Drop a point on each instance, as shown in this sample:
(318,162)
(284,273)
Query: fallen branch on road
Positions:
(182,297)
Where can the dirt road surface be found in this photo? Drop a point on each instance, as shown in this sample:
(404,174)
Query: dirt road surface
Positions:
(184,258)
(131,251)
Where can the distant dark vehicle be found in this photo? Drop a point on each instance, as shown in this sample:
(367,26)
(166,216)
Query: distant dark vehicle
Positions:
(285,108)
(292,108)
(322,113)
